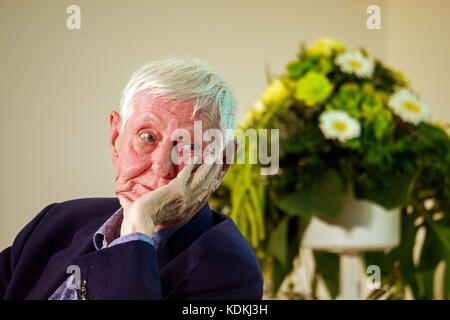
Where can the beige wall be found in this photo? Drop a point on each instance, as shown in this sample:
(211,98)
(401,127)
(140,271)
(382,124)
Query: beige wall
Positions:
(58,86)
(417,41)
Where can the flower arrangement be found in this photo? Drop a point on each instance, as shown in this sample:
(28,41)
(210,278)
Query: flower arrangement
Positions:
(345,121)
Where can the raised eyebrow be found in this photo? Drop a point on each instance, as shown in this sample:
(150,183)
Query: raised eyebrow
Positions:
(152,117)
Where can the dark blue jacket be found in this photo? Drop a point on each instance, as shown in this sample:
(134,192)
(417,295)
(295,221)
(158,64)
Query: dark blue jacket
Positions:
(199,261)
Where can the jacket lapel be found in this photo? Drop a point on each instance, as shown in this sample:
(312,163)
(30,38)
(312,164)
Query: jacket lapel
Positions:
(184,236)
(82,243)
(55,272)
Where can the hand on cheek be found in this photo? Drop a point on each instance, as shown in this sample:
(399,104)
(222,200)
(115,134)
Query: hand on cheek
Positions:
(174,203)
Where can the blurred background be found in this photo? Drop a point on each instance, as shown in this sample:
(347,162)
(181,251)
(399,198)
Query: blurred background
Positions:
(58,85)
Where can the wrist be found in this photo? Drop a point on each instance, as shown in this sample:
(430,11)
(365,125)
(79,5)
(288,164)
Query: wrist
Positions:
(129,226)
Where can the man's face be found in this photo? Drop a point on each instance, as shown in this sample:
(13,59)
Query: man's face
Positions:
(142,151)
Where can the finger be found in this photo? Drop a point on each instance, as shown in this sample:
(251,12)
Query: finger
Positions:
(213,173)
(203,181)
(154,196)
(198,176)
(187,170)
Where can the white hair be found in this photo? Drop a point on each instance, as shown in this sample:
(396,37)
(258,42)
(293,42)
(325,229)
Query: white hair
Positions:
(183,79)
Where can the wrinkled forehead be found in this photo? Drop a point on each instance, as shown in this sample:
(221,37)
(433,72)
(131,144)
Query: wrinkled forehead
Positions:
(146,103)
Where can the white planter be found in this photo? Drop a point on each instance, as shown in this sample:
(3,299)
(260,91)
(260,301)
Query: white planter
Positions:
(362,226)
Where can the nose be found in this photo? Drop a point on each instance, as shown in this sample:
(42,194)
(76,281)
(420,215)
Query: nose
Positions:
(162,162)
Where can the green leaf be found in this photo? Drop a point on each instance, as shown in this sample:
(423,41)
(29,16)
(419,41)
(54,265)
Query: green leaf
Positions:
(384,261)
(371,106)
(431,255)
(278,275)
(354,143)
(432,251)
(436,247)
(381,123)
(294,237)
(278,244)
(327,265)
(390,190)
(405,251)
(324,196)
(348,98)
(443,232)
(296,69)
(425,281)
(284,245)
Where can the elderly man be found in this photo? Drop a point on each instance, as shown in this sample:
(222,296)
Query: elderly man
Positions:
(158,239)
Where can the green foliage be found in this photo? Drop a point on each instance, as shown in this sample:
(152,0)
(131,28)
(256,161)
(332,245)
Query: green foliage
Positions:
(324,197)
(391,162)
(327,266)
(317,63)
(379,188)
(348,98)
(284,245)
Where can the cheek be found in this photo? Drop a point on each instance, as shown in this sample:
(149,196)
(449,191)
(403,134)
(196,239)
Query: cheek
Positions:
(132,163)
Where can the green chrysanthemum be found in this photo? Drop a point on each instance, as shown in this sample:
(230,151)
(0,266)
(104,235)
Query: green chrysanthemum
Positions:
(347,98)
(313,88)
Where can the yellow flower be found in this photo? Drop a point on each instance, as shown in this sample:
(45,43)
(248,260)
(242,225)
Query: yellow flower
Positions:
(252,114)
(400,78)
(246,121)
(274,93)
(325,46)
(382,96)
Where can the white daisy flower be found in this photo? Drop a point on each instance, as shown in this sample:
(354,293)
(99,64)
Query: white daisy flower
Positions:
(338,124)
(354,62)
(408,107)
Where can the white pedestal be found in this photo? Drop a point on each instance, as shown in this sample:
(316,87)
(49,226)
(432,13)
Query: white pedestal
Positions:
(349,268)
(362,226)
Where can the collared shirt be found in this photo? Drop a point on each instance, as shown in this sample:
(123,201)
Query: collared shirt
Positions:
(108,235)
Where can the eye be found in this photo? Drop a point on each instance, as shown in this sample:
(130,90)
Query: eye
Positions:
(148,137)
(189,148)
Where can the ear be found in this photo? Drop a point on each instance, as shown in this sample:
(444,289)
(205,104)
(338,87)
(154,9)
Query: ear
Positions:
(115,123)
(230,149)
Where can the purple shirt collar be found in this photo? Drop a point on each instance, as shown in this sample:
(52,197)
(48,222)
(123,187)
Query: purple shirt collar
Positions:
(110,231)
